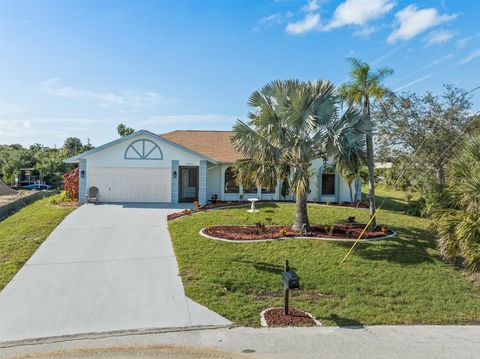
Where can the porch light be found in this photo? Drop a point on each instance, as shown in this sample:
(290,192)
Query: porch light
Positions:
(174,174)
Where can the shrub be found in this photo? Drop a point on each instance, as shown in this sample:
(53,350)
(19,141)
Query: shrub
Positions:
(70,180)
(283,232)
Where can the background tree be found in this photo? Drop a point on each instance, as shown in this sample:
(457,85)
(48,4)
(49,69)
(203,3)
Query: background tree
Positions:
(72,146)
(364,87)
(292,123)
(425,125)
(124,130)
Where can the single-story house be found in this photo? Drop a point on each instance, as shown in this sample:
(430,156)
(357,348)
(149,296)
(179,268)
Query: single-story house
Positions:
(183,166)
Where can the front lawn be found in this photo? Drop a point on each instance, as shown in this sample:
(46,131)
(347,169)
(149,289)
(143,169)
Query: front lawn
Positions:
(399,281)
(23,232)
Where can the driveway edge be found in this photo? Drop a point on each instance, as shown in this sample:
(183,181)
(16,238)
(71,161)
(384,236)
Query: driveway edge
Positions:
(114,333)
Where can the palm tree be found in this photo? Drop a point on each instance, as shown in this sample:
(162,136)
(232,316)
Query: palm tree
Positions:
(349,168)
(291,124)
(459,229)
(365,86)
(72,146)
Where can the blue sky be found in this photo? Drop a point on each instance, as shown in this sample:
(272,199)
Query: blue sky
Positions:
(78,68)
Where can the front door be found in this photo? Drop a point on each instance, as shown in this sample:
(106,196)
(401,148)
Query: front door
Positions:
(188,184)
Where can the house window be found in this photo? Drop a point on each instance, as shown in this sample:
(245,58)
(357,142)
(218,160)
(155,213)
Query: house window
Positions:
(268,191)
(328,181)
(250,190)
(230,185)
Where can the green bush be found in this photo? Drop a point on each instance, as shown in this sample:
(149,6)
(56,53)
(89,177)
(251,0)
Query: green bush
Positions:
(60,198)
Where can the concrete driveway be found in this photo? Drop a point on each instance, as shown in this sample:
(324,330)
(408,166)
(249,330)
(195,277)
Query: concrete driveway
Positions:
(105,268)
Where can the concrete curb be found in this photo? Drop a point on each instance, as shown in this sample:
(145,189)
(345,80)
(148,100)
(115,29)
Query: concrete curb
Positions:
(114,333)
(203,234)
(264,323)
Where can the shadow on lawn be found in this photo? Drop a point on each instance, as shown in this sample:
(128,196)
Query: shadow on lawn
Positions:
(410,246)
(266,267)
(343,322)
(391,204)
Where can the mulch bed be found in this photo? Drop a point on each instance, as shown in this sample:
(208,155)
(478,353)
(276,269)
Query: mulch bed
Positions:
(68,204)
(276,318)
(259,232)
(226,204)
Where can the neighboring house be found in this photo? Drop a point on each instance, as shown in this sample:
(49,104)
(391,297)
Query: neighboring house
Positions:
(182,166)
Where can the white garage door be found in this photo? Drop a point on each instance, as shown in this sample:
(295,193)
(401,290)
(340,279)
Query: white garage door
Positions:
(130,184)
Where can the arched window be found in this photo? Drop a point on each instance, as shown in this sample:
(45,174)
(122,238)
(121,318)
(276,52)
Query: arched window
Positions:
(230,185)
(328,181)
(143,150)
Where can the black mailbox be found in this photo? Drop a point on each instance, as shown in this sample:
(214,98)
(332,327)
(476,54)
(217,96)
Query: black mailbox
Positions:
(290,279)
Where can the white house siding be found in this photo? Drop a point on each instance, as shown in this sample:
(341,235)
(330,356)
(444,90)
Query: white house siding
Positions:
(135,180)
(214,183)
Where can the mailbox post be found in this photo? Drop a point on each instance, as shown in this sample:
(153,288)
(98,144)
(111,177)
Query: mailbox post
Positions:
(290,280)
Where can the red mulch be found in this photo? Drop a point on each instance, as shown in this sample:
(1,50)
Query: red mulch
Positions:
(252,233)
(68,204)
(276,318)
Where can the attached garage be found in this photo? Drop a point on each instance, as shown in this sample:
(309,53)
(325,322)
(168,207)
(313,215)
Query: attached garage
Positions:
(143,167)
(123,184)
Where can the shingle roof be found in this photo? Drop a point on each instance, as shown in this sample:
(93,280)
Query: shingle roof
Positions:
(212,144)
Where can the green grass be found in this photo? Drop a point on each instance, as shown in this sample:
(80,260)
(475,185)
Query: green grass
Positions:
(23,232)
(399,281)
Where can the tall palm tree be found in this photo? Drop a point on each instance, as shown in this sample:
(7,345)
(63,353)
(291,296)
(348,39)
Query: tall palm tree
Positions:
(291,124)
(364,87)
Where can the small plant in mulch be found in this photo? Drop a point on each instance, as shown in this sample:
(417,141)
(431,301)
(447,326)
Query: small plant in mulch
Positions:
(275,317)
(283,232)
(260,227)
(351,220)
(197,205)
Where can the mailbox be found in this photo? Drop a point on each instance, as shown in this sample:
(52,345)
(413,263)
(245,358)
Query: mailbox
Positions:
(290,279)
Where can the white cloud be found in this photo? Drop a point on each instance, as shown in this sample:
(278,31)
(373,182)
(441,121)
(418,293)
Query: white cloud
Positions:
(472,56)
(412,21)
(8,108)
(439,61)
(385,55)
(464,41)
(365,31)
(308,23)
(414,82)
(359,12)
(439,37)
(311,6)
(105,99)
(273,19)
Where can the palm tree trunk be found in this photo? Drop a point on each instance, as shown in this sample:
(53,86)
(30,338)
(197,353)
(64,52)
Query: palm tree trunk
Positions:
(355,189)
(371,167)
(301,216)
(350,189)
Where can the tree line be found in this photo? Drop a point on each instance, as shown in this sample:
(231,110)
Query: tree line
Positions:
(47,160)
